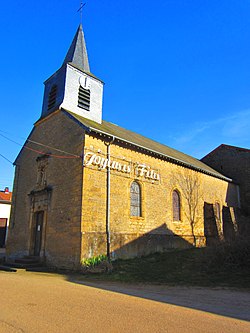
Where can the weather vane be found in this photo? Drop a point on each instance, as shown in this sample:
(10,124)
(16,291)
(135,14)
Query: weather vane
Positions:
(80,9)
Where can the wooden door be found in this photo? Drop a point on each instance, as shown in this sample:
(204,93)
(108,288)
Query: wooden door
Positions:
(38,232)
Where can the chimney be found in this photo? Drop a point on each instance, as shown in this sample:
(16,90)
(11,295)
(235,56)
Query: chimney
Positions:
(6,190)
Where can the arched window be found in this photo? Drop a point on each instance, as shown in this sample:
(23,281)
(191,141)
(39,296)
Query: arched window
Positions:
(135,199)
(176,206)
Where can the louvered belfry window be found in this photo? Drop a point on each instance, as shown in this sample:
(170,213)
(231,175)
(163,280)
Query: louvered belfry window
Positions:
(52,97)
(176,206)
(84,98)
(135,199)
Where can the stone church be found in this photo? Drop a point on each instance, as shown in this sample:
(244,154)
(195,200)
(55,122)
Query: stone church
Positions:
(84,186)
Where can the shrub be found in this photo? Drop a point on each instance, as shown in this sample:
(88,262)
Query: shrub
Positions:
(235,254)
(94,261)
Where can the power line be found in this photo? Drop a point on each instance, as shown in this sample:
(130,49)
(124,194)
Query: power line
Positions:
(40,152)
(49,154)
(6,159)
(61,151)
(19,144)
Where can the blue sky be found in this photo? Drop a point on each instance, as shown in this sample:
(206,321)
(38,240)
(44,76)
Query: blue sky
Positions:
(177,71)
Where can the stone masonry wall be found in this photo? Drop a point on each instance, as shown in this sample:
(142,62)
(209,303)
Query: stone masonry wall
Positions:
(61,237)
(234,162)
(155,230)
(74,198)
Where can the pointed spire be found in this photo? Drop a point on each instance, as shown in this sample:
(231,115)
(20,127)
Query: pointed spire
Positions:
(77,53)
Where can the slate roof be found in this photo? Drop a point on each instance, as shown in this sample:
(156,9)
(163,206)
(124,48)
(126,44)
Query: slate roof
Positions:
(145,143)
(77,53)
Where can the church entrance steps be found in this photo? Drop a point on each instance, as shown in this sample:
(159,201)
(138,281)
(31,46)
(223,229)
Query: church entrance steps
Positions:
(26,262)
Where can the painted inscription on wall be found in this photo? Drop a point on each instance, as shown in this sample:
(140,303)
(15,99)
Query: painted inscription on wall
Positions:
(140,170)
(103,163)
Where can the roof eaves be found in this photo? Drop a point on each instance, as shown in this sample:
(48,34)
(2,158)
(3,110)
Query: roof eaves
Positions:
(175,160)
(21,150)
(235,147)
(6,202)
(85,72)
(222,146)
(55,73)
(212,152)
(90,127)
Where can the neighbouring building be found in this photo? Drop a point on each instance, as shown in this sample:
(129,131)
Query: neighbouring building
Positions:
(84,186)
(234,162)
(5,206)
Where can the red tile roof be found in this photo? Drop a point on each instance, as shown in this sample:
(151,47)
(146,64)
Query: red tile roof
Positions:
(5,196)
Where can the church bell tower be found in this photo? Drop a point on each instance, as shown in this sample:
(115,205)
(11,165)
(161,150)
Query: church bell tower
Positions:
(73,87)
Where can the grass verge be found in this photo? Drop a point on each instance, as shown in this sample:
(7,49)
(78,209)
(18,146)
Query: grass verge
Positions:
(227,265)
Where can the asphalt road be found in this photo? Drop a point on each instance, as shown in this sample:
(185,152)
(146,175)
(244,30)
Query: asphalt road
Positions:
(39,302)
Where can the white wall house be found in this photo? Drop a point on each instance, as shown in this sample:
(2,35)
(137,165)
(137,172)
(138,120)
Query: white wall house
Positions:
(5,207)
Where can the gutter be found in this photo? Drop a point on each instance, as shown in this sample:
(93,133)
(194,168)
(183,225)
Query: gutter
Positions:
(164,155)
(170,158)
(6,202)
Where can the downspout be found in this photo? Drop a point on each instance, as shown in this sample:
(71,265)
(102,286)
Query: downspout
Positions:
(82,189)
(108,198)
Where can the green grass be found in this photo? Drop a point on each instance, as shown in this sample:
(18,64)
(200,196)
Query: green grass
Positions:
(224,266)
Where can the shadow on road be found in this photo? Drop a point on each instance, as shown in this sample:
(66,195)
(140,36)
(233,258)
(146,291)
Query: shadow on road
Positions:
(223,302)
(219,301)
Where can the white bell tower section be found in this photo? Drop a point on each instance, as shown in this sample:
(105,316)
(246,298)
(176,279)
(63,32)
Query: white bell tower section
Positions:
(83,94)
(73,87)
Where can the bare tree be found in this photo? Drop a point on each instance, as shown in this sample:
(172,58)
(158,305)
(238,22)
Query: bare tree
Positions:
(189,184)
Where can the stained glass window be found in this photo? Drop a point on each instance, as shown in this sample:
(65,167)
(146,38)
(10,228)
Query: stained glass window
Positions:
(176,206)
(135,199)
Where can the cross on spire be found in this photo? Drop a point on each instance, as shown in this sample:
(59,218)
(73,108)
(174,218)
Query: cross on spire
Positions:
(80,10)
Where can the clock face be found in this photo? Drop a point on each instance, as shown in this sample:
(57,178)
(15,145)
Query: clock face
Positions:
(84,82)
